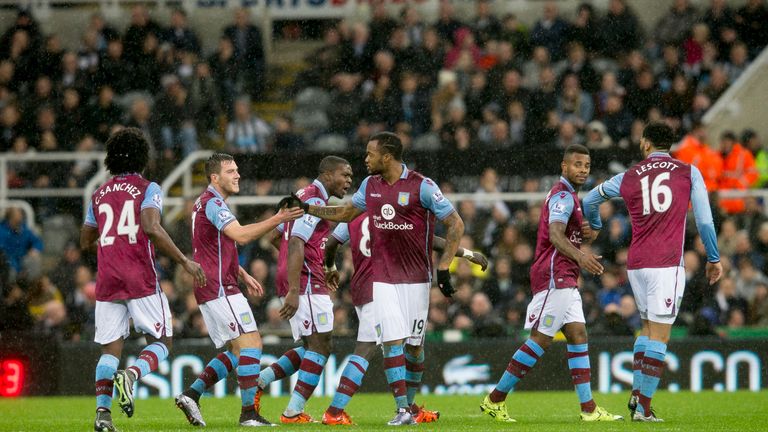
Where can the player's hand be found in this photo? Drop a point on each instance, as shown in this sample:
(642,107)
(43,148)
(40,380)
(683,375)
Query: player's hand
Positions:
(293,201)
(290,305)
(479,259)
(332,279)
(252,287)
(714,272)
(591,263)
(444,283)
(287,214)
(196,271)
(587,233)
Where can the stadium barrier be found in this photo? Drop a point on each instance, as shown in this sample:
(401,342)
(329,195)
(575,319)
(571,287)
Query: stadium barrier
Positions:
(44,366)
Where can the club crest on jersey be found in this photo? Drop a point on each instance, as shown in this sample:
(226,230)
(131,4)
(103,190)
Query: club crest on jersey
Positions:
(388,212)
(322,318)
(402,198)
(224,214)
(245,318)
(548,321)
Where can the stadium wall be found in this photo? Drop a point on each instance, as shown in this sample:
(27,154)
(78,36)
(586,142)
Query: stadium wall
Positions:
(452,368)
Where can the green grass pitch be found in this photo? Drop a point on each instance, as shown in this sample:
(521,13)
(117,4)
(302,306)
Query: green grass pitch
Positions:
(534,411)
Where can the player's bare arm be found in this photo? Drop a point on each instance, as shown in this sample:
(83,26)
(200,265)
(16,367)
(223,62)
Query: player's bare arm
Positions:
(252,287)
(295,261)
(243,234)
(454,230)
(150,223)
(438,244)
(88,237)
(274,238)
(329,263)
(588,234)
(342,213)
(588,262)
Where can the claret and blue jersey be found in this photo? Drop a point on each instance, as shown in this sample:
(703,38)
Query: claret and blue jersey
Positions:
(657,191)
(402,215)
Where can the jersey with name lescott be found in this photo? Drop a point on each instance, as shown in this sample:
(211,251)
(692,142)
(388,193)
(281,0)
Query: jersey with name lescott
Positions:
(550,268)
(126,256)
(213,250)
(314,232)
(358,234)
(402,223)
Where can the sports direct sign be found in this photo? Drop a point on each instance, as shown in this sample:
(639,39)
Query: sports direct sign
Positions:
(302,9)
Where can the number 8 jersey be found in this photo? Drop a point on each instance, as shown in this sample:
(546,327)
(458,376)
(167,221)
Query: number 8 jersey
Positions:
(126,257)
(657,191)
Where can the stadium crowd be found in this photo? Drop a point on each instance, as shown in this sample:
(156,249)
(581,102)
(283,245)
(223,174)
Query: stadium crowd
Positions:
(455,85)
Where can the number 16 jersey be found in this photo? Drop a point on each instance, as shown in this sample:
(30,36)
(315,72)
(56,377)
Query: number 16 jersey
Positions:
(126,257)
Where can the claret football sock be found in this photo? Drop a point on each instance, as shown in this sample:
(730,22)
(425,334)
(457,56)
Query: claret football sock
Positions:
(522,361)
(286,365)
(394,369)
(653,368)
(414,369)
(105,370)
(148,359)
(351,379)
(248,367)
(309,376)
(578,363)
(216,370)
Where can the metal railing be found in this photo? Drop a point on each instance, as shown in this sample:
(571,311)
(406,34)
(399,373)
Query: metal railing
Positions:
(175,204)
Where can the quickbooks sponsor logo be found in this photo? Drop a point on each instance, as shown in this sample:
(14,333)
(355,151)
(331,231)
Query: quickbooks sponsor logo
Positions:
(392,226)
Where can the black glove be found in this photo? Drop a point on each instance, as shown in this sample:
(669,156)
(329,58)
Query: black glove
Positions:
(293,201)
(444,283)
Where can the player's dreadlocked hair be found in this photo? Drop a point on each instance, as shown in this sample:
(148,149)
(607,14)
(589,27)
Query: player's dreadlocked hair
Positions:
(127,152)
(389,143)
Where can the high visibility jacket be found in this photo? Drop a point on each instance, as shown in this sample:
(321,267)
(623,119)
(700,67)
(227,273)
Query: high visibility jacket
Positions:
(698,154)
(739,172)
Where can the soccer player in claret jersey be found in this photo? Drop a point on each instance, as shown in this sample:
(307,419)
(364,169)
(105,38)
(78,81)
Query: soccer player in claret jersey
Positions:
(228,317)
(657,191)
(358,234)
(301,285)
(402,205)
(556,302)
(123,223)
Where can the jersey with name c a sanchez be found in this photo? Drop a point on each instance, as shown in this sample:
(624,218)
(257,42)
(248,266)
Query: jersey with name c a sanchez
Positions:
(126,256)
(550,268)
(402,223)
(213,250)
(314,232)
(358,234)
(657,191)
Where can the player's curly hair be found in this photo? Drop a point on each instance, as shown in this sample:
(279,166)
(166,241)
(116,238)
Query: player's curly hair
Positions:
(127,152)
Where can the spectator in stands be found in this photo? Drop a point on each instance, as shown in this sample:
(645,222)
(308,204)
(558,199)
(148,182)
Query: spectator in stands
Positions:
(574,104)
(738,62)
(141,26)
(413,25)
(597,137)
(619,30)
(752,25)
(550,31)
(46,305)
(104,113)
(579,65)
(225,73)
(485,25)
(249,51)
(678,99)
(247,133)
(71,118)
(668,67)
(726,300)
(103,31)
(20,245)
(346,103)
(204,97)
(675,25)
(718,16)
(486,321)
(645,94)
(147,67)
(381,25)
(175,119)
(10,127)
(584,28)
(758,307)
(739,171)
(499,287)
(48,60)
(357,53)
(447,24)
(180,35)
(694,45)
(569,135)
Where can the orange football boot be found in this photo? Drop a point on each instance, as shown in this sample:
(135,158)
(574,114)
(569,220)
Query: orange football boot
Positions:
(422,415)
(257,399)
(297,419)
(342,419)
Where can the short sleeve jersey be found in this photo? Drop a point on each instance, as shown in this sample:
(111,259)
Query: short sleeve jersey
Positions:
(126,256)
(358,234)
(402,223)
(213,250)
(550,268)
(314,232)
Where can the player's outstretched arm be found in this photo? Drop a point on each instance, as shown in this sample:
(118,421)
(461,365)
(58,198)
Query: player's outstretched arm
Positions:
(342,213)
(588,262)
(243,234)
(150,223)
(600,194)
(88,237)
(438,244)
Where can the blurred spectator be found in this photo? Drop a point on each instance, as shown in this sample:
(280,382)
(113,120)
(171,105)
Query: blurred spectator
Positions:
(180,35)
(357,53)
(174,116)
(46,305)
(487,322)
(619,30)
(20,245)
(752,25)
(447,24)
(584,27)
(247,133)
(738,62)
(381,25)
(674,26)
(550,31)
(249,51)
(141,26)
(485,25)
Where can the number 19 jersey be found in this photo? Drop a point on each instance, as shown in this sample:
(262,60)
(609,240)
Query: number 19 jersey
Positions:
(126,257)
